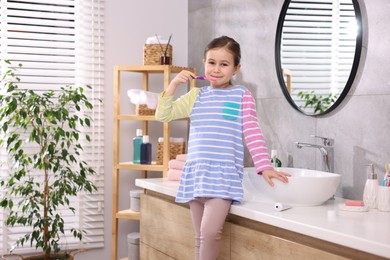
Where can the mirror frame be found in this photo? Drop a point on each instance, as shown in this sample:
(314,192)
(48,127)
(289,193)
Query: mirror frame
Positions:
(352,75)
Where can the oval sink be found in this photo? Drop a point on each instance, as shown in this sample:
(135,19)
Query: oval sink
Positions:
(305,187)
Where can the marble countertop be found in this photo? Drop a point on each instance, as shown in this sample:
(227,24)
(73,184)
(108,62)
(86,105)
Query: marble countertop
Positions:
(365,231)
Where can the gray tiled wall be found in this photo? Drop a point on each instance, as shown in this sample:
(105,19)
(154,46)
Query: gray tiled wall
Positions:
(360,125)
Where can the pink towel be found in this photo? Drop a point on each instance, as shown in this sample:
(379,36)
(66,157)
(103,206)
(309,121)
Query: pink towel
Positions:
(176,164)
(181,157)
(174,175)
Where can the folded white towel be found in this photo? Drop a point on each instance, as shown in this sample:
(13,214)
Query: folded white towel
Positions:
(140,97)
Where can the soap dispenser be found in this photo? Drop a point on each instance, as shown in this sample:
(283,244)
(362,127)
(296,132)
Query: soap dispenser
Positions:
(371,189)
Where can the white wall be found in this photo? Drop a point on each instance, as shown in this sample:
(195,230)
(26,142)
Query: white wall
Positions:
(127,25)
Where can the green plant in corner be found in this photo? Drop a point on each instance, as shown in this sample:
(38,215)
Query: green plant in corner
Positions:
(317,102)
(40,132)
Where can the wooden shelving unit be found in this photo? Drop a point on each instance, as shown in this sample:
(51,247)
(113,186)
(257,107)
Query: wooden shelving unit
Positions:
(144,71)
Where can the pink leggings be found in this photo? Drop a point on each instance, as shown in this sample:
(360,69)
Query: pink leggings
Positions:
(208,217)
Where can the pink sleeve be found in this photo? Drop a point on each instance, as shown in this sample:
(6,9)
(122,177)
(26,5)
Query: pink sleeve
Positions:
(253,135)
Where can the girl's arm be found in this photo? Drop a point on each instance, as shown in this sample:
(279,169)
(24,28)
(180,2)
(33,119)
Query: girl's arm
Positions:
(255,141)
(167,109)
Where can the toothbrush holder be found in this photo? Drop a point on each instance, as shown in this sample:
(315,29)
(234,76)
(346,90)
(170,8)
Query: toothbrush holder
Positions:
(383,198)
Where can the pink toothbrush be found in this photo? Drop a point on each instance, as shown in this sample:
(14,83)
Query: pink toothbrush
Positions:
(206,78)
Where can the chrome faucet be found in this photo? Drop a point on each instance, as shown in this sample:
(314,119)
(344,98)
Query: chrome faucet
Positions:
(326,150)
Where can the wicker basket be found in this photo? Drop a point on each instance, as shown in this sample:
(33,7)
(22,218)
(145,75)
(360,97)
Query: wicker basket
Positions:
(174,150)
(143,110)
(153,53)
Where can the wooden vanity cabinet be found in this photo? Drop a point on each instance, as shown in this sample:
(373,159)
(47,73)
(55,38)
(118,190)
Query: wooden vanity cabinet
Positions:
(167,234)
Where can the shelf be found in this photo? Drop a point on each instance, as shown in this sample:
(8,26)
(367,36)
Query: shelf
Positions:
(135,117)
(144,72)
(150,68)
(128,214)
(145,118)
(141,167)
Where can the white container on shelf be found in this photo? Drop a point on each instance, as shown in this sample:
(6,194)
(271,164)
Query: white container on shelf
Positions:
(133,246)
(135,199)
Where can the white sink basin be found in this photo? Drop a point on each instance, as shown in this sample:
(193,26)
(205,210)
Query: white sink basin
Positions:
(305,187)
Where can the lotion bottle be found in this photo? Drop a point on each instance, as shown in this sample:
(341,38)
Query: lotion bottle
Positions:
(146,150)
(275,160)
(370,189)
(137,141)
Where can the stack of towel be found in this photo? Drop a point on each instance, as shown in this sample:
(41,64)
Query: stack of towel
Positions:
(175,167)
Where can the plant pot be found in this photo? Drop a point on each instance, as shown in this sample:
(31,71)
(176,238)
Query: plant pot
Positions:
(59,256)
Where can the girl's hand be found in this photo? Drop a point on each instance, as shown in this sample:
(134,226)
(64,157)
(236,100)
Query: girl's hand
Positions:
(181,78)
(270,174)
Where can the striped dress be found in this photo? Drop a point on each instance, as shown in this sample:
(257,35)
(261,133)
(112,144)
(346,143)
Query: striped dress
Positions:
(219,118)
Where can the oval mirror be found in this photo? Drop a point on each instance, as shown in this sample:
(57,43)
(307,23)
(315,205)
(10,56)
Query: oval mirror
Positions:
(317,52)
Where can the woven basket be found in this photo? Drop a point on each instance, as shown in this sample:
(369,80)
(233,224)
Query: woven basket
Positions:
(143,110)
(174,150)
(153,53)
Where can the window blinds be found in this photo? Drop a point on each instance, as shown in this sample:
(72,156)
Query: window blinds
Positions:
(60,42)
(318,45)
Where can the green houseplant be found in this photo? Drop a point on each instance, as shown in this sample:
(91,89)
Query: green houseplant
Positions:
(46,176)
(317,102)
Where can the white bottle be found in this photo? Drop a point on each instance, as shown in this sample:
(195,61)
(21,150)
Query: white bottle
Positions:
(371,189)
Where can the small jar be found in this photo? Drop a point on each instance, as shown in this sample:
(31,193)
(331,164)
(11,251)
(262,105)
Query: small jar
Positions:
(135,200)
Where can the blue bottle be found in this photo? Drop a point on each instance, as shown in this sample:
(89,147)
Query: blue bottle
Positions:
(146,150)
(137,141)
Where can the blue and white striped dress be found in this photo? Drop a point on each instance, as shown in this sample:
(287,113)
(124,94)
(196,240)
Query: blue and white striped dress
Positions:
(215,150)
(214,168)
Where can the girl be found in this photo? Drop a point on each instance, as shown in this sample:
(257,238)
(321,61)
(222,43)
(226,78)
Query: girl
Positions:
(220,115)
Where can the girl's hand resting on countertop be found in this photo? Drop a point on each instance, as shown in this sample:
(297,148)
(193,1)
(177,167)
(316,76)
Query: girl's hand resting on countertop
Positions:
(270,174)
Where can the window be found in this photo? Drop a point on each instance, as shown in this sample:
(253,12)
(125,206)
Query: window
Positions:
(60,42)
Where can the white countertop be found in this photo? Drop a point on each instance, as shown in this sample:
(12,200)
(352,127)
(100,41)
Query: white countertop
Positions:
(365,231)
